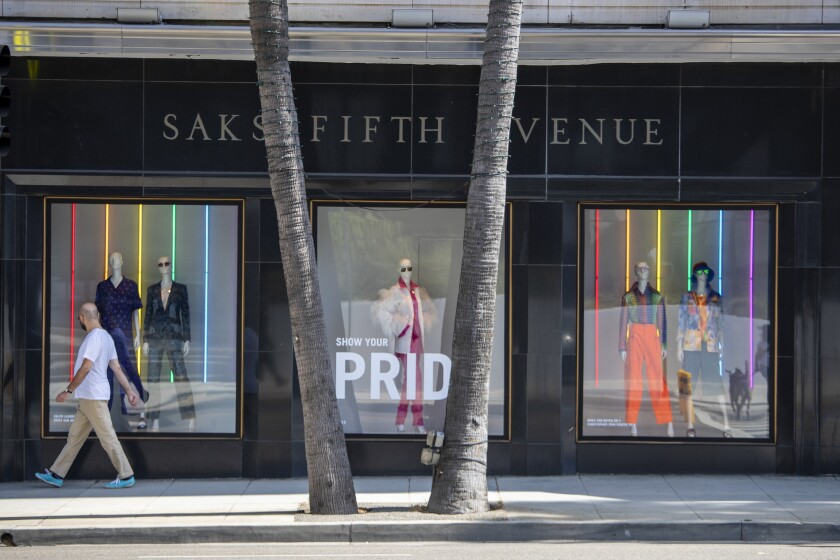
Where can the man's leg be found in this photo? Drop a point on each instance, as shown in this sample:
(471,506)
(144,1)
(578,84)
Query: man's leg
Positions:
(76,436)
(100,419)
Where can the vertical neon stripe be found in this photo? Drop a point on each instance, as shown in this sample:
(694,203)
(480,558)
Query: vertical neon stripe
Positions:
(72,290)
(139,270)
(689,251)
(173,243)
(720,271)
(206,279)
(107,233)
(172,260)
(752,266)
(627,251)
(658,250)
(597,294)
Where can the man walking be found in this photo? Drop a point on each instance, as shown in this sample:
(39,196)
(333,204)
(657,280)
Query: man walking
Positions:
(90,385)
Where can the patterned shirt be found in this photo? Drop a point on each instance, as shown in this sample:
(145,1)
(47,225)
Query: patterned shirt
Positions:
(646,308)
(701,321)
(117,304)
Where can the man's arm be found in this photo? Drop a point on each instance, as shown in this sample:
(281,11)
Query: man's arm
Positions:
(78,377)
(133,397)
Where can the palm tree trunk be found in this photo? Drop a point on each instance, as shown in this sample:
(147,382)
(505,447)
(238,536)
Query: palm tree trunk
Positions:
(330,481)
(460,479)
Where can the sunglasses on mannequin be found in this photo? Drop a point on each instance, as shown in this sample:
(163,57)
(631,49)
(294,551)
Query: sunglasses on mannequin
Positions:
(703,271)
(405,269)
(162,264)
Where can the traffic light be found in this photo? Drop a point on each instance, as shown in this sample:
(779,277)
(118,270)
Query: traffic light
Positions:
(5,100)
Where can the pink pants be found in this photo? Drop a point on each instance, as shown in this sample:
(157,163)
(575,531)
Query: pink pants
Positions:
(417,403)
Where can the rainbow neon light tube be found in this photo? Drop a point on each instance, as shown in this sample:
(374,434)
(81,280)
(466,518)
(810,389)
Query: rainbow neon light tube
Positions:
(627,251)
(206,279)
(139,270)
(689,251)
(72,290)
(720,273)
(658,250)
(107,231)
(752,270)
(597,275)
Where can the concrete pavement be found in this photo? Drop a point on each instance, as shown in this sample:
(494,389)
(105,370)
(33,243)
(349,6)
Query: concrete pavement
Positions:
(672,508)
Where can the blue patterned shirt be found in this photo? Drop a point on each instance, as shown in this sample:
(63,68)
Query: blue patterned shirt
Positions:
(117,304)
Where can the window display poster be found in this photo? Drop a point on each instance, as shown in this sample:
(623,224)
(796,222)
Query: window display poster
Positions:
(677,321)
(389,279)
(166,280)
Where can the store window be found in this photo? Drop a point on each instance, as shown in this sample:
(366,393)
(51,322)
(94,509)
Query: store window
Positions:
(677,322)
(166,278)
(389,277)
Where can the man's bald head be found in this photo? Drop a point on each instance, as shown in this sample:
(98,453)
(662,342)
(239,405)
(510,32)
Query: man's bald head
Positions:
(89,311)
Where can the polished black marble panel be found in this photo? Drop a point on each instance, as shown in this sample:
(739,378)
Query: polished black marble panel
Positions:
(202,71)
(754,75)
(574,189)
(787,243)
(378,457)
(14,230)
(829,460)
(253,305)
(275,331)
(570,233)
(357,128)
(742,132)
(274,379)
(830,223)
(544,310)
(449,188)
(498,459)
(568,414)
(267,459)
(269,237)
(446,75)
(831,131)
(786,308)
(568,326)
(638,75)
(34,228)
(520,240)
(829,428)
(443,129)
(785,400)
(544,392)
(64,68)
(544,459)
(519,306)
(531,75)
(525,188)
(327,73)
(85,137)
(808,234)
(528,132)
(545,233)
(33,279)
(332,188)
(252,229)
(678,458)
(518,459)
(613,131)
(769,189)
(519,397)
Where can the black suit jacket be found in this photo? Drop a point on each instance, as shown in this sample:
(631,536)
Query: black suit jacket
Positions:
(172,322)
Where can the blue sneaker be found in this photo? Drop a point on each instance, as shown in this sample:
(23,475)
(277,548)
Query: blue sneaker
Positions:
(49,478)
(120,483)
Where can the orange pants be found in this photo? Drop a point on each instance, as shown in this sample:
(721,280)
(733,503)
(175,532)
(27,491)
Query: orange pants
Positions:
(644,347)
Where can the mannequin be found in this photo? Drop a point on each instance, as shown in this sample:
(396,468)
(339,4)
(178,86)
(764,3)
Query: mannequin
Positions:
(699,338)
(641,341)
(118,301)
(166,330)
(404,311)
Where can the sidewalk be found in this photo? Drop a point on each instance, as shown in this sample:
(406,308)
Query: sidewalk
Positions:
(582,507)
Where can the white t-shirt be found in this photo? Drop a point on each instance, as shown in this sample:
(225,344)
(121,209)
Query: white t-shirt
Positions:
(98,347)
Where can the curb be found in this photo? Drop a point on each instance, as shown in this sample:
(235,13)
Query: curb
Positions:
(433,531)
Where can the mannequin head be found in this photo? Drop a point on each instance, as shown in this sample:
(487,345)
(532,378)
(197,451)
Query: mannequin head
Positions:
(115,261)
(701,275)
(164,266)
(642,273)
(405,270)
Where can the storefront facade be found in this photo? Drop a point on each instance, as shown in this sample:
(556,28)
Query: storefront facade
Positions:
(612,166)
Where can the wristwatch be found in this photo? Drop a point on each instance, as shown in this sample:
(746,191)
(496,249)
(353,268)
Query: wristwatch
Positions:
(67,390)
